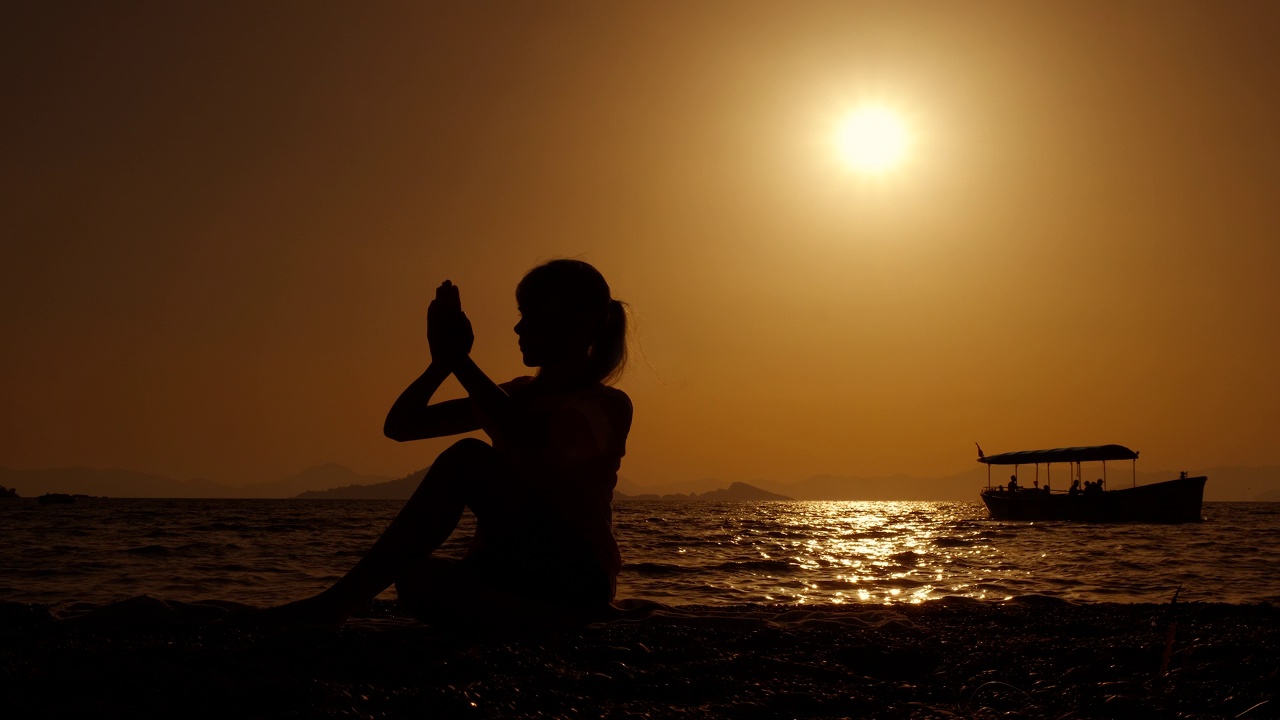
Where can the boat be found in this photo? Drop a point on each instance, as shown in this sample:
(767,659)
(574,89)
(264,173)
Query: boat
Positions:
(1172,501)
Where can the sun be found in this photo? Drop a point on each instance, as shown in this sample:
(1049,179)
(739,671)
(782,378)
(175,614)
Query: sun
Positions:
(873,139)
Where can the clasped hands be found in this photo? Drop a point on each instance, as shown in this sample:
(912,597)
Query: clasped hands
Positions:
(449,333)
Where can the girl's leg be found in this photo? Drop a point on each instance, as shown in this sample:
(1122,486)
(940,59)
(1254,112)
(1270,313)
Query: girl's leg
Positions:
(435,589)
(425,522)
(465,595)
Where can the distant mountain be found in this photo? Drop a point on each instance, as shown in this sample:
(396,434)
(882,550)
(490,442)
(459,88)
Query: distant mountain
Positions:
(894,487)
(694,487)
(1231,484)
(109,483)
(1269,496)
(399,489)
(1227,483)
(962,486)
(132,484)
(318,478)
(682,487)
(737,492)
(625,485)
(1258,484)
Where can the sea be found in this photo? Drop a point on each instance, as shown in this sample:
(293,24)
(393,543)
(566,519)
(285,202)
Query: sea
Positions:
(264,552)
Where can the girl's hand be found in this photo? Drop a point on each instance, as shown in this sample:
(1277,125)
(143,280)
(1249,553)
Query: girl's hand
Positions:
(449,333)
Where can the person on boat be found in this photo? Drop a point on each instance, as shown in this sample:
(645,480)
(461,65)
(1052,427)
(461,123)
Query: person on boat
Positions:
(1075,488)
(1013,483)
(541,489)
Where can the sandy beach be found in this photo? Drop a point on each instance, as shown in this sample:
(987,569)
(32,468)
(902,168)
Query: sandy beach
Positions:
(1030,657)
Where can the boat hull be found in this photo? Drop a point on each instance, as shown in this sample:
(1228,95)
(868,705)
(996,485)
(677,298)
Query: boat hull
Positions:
(1172,501)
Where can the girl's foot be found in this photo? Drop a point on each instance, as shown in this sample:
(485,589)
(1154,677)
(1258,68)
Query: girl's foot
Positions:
(313,611)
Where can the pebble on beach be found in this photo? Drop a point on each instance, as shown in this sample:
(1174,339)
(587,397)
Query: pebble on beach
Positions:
(1031,657)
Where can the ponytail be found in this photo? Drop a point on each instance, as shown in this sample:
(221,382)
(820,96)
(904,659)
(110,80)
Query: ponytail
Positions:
(608,355)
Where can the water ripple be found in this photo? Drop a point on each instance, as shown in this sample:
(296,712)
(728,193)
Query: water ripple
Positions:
(270,551)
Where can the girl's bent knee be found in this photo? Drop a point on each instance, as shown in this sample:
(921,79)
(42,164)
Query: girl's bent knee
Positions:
(468,453)
(464,466)
(469,448)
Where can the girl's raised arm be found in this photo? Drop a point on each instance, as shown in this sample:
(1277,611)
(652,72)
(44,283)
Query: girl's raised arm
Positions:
(450,337)
(411,417)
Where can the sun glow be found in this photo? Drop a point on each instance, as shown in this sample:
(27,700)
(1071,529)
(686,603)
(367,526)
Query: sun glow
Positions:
(873,139)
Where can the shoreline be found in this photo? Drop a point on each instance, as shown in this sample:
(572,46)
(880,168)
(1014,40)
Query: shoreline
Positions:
(1033,656)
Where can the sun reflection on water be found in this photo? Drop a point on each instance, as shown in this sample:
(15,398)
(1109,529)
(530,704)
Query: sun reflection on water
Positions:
(887,547)
(832,552)
(910,552)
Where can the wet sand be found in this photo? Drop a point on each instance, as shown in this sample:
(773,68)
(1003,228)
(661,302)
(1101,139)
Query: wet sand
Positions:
(1032,657)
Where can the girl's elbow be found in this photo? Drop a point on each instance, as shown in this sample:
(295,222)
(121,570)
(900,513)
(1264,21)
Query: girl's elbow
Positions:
(394,432)
(404,432)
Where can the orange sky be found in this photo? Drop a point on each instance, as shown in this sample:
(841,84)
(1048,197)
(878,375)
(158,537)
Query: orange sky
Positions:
(221,227)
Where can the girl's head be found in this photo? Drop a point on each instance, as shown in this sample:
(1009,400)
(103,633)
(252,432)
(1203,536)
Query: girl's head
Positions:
(569,319)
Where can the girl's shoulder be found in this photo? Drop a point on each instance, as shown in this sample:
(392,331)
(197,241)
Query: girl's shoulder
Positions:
(606,397)
(526,383)
(517,384)
(526,389)
(607,412)
(615,396)
(605,401)
(607,394)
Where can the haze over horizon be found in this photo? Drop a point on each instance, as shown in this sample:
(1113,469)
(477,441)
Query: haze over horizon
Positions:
(332,481)
(223,225)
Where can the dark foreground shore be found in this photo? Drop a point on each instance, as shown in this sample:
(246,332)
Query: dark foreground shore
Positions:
(1033,657)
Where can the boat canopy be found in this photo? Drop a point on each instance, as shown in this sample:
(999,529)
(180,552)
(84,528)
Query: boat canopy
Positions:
(1092,453)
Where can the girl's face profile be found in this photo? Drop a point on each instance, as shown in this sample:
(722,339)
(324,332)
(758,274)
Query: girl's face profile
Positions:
(533,333)
(546,334)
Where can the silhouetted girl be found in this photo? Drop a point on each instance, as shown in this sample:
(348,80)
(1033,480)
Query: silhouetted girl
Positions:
(541,489)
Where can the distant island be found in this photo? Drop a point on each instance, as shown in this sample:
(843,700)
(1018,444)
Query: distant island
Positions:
(402,488)
(399,489)
(121,483)
(337,482)
(736,492)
